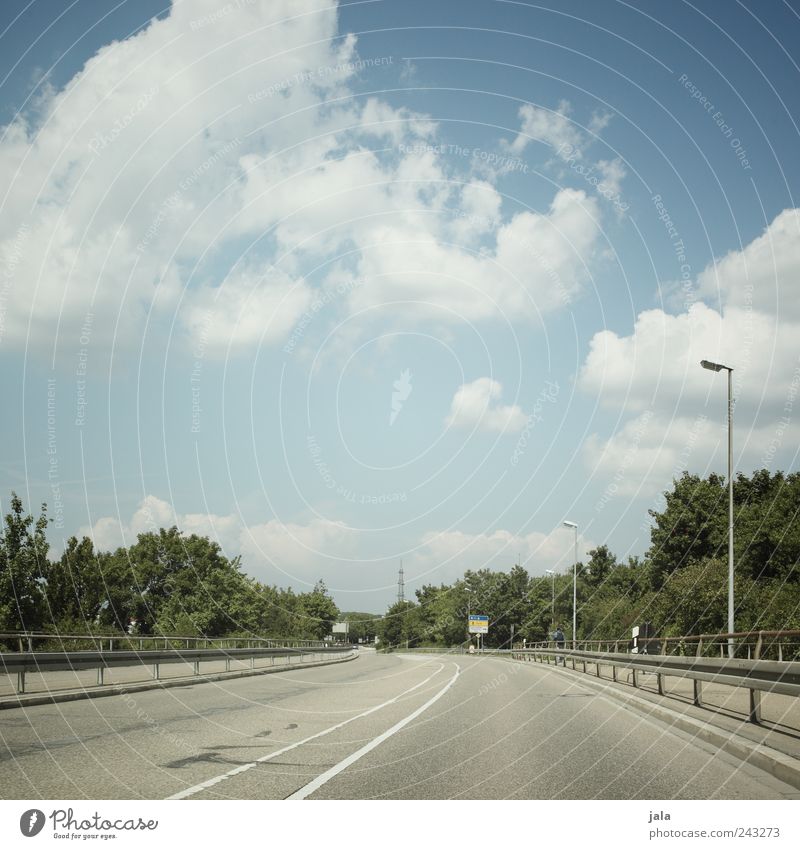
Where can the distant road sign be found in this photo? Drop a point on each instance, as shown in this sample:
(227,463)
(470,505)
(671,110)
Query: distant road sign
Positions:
(478,624)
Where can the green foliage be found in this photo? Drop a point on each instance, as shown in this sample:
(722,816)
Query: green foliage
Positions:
(23,568)
(363,627)
(171,583)
(691,528)
(400,626)
(317,612)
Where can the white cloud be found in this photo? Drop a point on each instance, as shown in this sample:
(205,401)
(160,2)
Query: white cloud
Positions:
(295,549)
(763,274)
(446,555)
(197,152)
(654,374)
(553,127)
(295,554)
(539,263)
(151,161)
(612,173)
(475,406)
(109,533)
(299,554)
(249,307)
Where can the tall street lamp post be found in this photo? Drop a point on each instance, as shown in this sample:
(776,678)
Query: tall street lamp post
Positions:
(574,584)
(719,367)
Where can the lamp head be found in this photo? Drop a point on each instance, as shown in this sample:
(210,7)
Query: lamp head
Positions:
(570,524)
(714,366)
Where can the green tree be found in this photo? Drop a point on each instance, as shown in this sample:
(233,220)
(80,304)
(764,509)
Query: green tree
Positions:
(362,627)
(317,612)
(690,528)
(23,568)
(75,587)
(399,626)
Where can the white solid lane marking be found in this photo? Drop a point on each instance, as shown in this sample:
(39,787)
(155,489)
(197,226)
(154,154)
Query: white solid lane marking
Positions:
(309,788)
(204,785)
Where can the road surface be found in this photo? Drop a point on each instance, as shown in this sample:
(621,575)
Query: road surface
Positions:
(383,726)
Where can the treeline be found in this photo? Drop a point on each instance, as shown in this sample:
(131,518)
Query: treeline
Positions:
(680,585)
(165,583)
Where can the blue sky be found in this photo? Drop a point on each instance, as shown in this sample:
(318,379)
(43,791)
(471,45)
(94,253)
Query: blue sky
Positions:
(345,286)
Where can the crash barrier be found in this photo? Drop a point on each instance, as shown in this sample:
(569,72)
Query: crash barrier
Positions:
(23,663)
(753,645)
(32,640)
(756,675)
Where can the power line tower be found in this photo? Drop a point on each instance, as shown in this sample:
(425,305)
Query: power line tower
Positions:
(401,585)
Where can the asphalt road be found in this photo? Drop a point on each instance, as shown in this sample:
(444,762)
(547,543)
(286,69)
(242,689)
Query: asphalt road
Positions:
(382,726)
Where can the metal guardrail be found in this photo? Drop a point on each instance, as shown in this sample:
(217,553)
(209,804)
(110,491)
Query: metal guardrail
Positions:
(21,663)
(757,676)
(755,645)
(26,641)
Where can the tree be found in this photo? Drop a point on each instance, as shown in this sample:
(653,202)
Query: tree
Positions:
(399,625)
(23,568)
(691,527)
(317,612)
(75,586)
(362,627)
(601,564)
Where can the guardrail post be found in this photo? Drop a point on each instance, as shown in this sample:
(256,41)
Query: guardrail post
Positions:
(759,643)
(155,671)
(755,706)
(99,676)
(697,693)
(780,651)
(227,664)
(633,677)
(21,681)
(197,667)
(252,662)
(614,672)
(660,683)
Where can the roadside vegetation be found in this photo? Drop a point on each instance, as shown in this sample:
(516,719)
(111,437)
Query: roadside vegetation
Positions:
(167,583)
(680,585)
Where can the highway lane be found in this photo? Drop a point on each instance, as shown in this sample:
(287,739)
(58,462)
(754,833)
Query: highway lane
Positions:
(383,726)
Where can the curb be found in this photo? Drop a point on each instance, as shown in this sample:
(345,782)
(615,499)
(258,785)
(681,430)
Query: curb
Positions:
(778,764)
(10,702)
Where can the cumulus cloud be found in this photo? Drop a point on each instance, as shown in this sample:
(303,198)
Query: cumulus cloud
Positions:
(297,554)
(109,532)
(204,165)
(291,552)
(654,376)
(475,406)
(551,126)
(446,555)
(762,275)
(134,185)
(538,264)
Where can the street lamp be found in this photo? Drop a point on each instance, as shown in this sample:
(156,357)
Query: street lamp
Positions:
(719,367)
(553,611)
(574,583)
